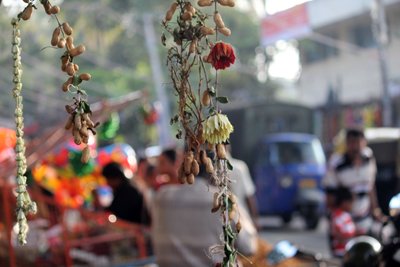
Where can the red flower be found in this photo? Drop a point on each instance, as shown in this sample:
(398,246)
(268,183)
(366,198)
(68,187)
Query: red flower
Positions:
(221,56)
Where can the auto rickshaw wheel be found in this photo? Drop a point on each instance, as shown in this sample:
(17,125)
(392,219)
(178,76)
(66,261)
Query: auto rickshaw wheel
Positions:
(311,222)
(286,218)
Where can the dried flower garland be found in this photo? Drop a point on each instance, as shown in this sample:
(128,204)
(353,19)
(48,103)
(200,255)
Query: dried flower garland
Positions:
(79,120)
(24,203)
(203,126)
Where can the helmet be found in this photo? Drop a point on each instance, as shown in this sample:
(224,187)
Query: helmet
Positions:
(362,251)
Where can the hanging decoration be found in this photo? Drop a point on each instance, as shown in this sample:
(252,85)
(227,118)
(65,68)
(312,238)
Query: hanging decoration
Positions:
(79,121)
(195,57)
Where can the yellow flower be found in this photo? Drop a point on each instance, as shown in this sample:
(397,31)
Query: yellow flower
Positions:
(217,129)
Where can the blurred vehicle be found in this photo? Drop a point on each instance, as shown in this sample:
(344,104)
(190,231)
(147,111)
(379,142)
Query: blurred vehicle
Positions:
(253,120)
(385,143)
(284,250)
(366,251)
(288,173)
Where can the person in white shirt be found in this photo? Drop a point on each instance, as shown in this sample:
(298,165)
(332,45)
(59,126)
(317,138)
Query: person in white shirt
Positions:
(356,170)
(243,186)
(184,228)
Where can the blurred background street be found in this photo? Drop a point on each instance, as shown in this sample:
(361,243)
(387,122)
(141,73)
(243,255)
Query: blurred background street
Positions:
(305,71)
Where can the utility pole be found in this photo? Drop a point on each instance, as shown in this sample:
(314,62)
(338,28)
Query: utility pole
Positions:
(155,63)
(380,31)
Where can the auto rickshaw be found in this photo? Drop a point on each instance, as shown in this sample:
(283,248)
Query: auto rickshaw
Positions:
(288,173)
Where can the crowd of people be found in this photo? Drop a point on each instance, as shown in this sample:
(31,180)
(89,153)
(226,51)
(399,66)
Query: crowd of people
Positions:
(183,227)
(179,216)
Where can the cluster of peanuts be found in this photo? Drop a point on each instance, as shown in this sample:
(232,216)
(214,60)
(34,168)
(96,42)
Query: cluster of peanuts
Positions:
(79,121)
(189,12)
(233,213)
(81,125)
(220,25)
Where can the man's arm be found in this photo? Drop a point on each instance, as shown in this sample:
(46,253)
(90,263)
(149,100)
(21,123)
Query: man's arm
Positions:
(252,204)
(375,209)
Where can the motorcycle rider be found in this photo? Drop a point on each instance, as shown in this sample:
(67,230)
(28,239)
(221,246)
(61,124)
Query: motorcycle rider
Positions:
(356,170)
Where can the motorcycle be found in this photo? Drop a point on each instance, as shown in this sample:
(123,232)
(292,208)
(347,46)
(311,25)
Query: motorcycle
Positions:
(367,251)
(284,250)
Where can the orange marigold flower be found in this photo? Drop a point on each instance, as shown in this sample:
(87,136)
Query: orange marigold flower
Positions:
(221,56)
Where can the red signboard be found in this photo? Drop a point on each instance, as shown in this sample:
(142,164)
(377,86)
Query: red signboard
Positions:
(288,24)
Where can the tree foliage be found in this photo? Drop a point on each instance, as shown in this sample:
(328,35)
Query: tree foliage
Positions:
(116,55)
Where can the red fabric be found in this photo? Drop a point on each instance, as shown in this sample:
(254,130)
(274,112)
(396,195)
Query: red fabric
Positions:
(342,228)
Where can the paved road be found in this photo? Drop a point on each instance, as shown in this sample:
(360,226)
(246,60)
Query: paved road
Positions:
(313,241)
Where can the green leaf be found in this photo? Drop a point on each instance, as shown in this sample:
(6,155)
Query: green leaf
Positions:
(76,80)
(211,91)
(222,99)
(229,165)
(211,111)
(86,107)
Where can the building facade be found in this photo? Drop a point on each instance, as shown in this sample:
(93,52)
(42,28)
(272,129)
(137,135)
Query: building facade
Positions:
(340,54)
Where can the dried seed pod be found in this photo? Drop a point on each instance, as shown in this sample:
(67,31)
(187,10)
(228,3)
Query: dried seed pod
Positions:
(77,137)
(70,42)
(209,166)
(67,29)
(85,155)
(204,3)
(47,7)
(85,139)
(221,152)
(232,198)
(187,164)
(193,46)
(207,30)
(218,20)
(216,202)
(189,8)
(76,67)
(27,13)
(70,69)
(238,226)
(86,118)
(77,50)
(69,122)
(64,59)
(186,16)
(230,3)
(84,131)
(54,10)
(77,121)
(66,85)
(69,109)
(61,43)
(85,76)
(171,11)
(190,178)
(195,168)
(225,31)
(232,212)
(206,99)
(56,36)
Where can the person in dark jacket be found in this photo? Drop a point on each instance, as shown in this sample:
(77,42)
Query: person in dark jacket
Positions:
(128,203)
